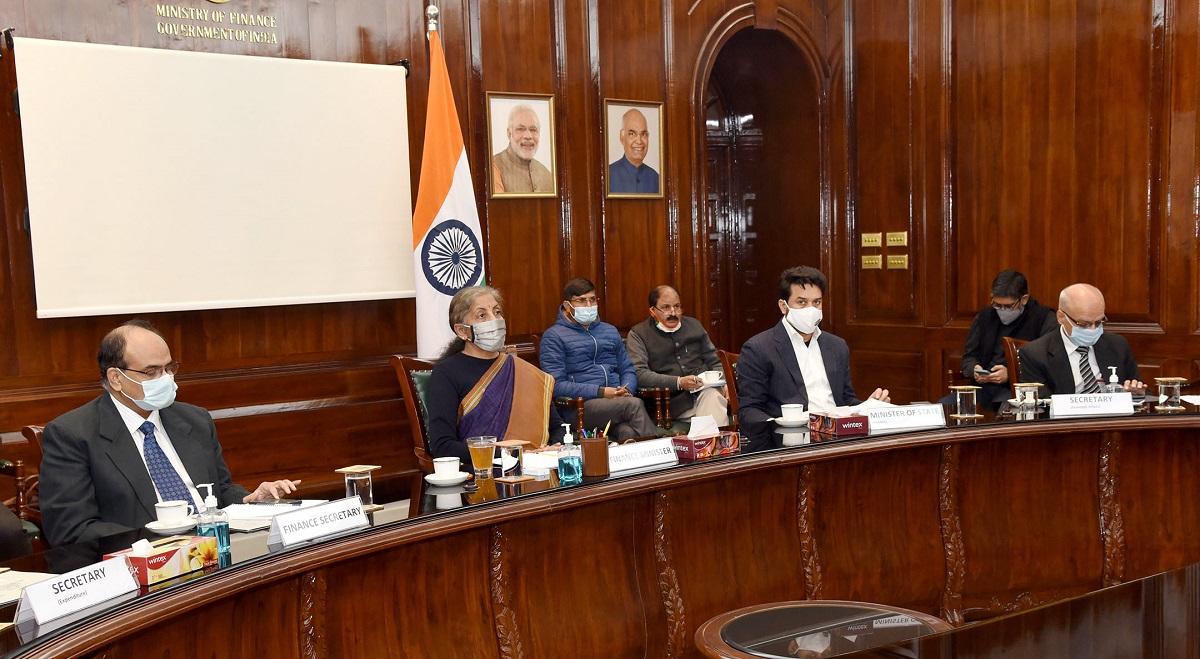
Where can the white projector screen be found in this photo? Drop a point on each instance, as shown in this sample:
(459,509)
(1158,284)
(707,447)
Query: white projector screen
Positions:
(164,180)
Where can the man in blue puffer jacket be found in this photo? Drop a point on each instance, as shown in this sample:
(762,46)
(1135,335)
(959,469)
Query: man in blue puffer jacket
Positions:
(588,360)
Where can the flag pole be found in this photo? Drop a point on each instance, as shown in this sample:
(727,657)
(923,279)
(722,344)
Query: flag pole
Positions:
(431,16)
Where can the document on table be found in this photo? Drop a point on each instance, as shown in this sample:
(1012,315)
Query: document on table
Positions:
(11,583)
(1194,400)
(246,512)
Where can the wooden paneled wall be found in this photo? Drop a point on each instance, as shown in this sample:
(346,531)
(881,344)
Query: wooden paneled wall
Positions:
(1054,136)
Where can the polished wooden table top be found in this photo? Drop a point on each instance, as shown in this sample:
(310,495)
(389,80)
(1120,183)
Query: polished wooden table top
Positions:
(439,512)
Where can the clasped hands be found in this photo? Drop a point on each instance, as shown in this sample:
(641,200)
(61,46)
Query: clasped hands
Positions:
(614,392)
(271,490)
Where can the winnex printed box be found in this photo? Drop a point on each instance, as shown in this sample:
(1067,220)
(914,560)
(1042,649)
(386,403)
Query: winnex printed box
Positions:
(171,557)
(689,449)
(836,425)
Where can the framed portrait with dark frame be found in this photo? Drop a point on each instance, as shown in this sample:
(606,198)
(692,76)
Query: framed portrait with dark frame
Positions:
(521,141)
(633,148)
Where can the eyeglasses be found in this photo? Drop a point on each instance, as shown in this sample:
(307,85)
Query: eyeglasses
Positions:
(1089,324)
(589,301)
(154,372)
(669,308)
(1006,307)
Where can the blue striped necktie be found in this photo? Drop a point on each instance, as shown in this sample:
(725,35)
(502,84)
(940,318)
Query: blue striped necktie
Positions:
(170,486)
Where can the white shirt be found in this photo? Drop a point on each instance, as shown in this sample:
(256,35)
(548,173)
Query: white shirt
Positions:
(812,367)
(133,421)
(1073,360)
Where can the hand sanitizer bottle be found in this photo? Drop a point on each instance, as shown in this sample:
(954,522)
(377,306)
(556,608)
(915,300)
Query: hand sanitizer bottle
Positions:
(1114,385)
(570,460)
(214,522)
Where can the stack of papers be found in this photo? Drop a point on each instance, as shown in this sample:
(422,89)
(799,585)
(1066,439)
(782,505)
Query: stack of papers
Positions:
(11,583)
(247,517)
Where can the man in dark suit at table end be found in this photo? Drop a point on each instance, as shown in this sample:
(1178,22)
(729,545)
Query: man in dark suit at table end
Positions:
(794,361)
(105,464)
(1077,358)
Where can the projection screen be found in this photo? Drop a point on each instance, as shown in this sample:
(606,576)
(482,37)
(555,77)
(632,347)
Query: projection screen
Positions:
(164,180)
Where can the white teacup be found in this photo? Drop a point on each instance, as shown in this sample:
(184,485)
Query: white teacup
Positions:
(173,512)
(709,377)
(791,412)
(445,466)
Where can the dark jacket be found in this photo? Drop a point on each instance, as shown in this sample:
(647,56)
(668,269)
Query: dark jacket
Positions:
(584,359)
(93,481)
(768,376)
(1045,361)
(983,346)
(661,358)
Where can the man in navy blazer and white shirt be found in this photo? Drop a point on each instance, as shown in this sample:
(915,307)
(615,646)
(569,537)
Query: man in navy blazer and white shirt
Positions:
(105,464)
(794,362)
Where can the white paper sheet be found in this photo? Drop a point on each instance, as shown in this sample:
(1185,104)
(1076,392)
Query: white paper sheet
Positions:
(11,583)
(250,511)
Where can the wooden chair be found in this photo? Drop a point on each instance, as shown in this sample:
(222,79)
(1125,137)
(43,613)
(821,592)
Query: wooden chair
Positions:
(1012,354)
(414,382)
(24,502)
(729,363)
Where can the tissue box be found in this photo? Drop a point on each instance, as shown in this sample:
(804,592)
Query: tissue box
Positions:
(689,449)
(171,557)
(848,425)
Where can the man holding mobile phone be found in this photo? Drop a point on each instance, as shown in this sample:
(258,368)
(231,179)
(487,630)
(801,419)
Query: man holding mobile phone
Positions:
(1014,313)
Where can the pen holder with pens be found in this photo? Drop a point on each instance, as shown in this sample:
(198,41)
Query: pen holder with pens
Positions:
(595,455)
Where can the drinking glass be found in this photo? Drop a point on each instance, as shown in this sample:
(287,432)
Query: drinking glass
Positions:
(360,485)
(1168,394)
(1027,393)
(964,402)
(483,451)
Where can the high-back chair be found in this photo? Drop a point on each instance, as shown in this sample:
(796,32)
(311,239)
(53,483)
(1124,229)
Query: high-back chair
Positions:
(414,382)
(1012,354)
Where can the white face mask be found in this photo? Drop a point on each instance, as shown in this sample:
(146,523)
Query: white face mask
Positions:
(157,394)
(489,335)
(666,329)
(804,320)
(585,315)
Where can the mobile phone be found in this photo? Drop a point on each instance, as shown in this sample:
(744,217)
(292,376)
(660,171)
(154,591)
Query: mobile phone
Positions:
(284,502)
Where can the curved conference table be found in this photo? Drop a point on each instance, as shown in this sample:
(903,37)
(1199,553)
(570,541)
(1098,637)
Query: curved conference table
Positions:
(965,523)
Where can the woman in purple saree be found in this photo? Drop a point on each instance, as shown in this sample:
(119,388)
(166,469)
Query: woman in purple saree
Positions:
(479,389)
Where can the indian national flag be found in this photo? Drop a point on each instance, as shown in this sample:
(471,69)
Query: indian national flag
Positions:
(446,234)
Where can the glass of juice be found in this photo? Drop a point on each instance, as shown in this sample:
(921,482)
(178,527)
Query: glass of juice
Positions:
(483,451)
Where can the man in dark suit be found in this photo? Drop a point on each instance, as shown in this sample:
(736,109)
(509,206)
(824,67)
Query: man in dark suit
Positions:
(794,361)
(105,464)
(1077,358)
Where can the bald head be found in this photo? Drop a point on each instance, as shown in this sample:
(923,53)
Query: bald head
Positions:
(1080,305)
(1082,301)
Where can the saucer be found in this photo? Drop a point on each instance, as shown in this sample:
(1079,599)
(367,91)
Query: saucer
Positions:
(792,423)
(172,528)
(446,481)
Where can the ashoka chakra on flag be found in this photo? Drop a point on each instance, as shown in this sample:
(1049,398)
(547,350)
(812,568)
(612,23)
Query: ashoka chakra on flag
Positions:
(451,257)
